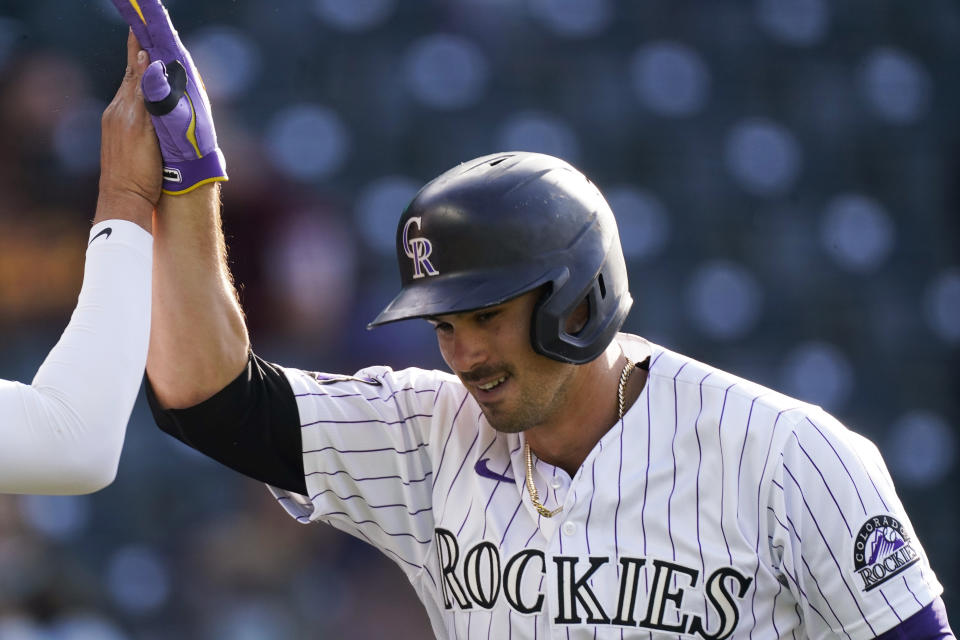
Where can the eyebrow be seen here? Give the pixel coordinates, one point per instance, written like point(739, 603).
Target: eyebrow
point(496, 307)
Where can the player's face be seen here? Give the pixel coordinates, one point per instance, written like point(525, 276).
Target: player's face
point(490, 352)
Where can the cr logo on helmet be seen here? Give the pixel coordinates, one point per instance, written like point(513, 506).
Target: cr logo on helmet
point(418, 250)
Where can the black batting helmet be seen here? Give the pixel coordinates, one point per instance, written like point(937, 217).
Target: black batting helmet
point(499, 226)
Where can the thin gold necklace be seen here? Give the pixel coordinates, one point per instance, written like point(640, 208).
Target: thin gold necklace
point(531, 487)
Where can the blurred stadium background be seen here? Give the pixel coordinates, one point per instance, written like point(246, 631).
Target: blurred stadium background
point(785, 174)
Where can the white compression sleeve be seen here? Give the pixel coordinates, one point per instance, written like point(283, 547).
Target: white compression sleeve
point(63, 434)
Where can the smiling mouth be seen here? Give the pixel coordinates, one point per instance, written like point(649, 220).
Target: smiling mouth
point(493, 384)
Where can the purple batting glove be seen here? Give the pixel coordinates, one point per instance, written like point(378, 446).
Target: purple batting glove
point(176, 99)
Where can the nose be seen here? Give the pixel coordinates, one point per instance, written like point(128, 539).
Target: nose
point(465, 350)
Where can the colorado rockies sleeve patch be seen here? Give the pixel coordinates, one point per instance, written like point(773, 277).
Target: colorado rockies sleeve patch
point(882, 549)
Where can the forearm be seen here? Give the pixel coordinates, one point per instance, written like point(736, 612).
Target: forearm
point(64, 433)
point(198, 342)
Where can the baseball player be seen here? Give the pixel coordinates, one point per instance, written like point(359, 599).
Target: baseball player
point(63, 433)
point(565, 480)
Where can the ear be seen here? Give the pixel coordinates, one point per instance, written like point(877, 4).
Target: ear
point(578, 319)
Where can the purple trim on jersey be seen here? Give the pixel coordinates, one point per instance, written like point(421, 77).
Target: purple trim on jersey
point(763, 472)
point(843, 578)
point(673, 454)
point(843, 464)
point(884, 596)
point(420, 445)
point(827, 485)
point(443, 454)
point(930, 623)
point(402, 534)
point(723, 484)
point(777, 484)
point(374, 420)
point(696, 432)
point(816, 583)
point(393, 477)
point(743, 447)
point(372, 506)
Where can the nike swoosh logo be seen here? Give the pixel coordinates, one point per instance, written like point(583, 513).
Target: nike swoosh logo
point(483, 470)
point(103, 232)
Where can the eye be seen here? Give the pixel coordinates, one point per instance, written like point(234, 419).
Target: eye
point(486, 316)
point(442, 327)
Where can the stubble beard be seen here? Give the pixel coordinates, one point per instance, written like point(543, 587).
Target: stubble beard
point(530, 409)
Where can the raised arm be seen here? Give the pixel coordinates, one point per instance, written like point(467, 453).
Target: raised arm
point(198, 341)
point(63, 434)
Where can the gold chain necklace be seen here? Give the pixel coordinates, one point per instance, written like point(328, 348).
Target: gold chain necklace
point(531, 487)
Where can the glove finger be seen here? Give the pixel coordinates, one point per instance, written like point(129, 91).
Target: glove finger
point(130, 11)
point(159, 25)
point(155, 84)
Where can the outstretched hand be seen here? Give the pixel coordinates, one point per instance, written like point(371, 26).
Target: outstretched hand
point(129, 154)
point(176, 99)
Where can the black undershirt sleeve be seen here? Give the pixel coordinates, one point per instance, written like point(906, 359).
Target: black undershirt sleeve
point(252, 426)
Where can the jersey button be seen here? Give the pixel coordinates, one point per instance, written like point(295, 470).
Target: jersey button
point(556, 483)
point(569, 528)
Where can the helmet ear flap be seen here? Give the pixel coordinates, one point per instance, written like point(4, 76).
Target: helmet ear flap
point(606, 311)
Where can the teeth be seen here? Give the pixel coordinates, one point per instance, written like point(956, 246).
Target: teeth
point(491, 385)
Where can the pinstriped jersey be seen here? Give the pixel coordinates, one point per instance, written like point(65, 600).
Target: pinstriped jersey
point(716, 508)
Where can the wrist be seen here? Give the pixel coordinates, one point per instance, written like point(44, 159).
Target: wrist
point(116, 204)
